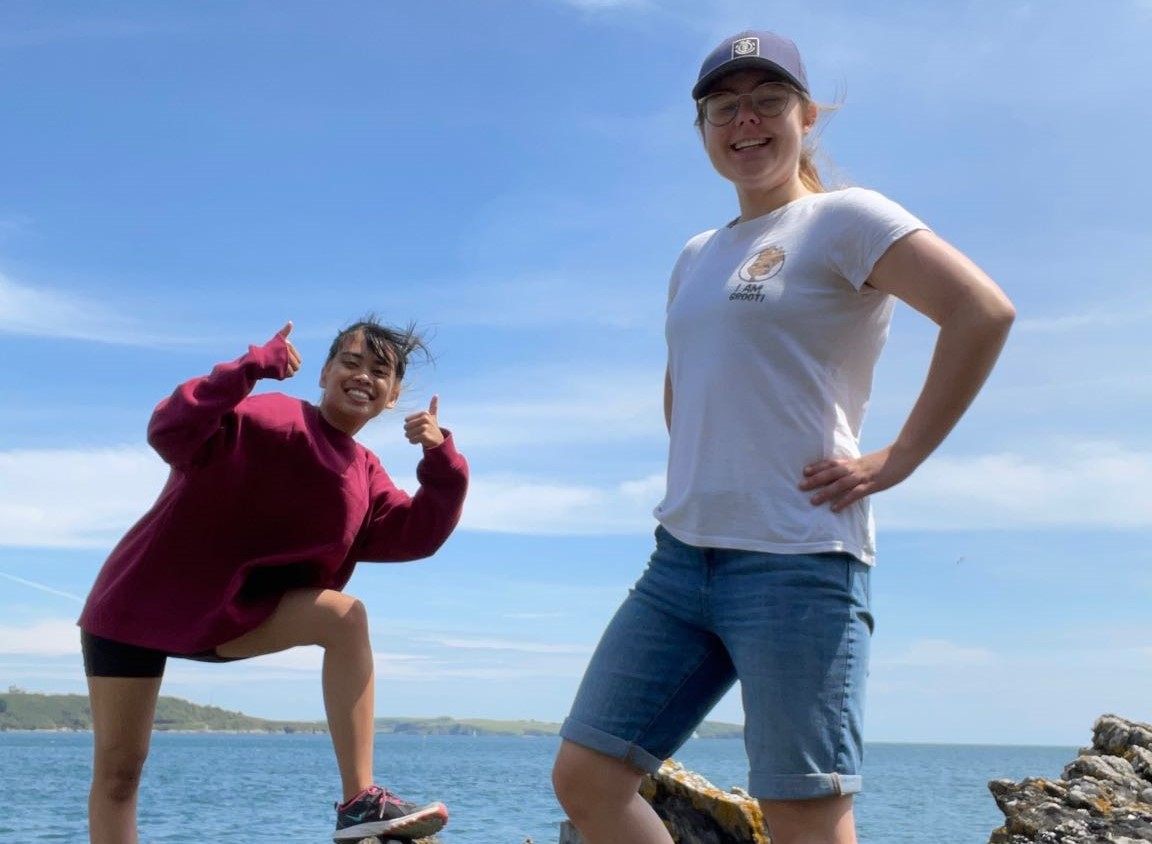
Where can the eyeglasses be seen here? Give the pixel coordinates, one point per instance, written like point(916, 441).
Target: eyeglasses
point(768, 100)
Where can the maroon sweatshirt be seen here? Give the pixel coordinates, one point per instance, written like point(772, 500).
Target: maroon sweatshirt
point(263, 496)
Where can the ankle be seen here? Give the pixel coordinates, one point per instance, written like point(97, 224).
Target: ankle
point(348, 801)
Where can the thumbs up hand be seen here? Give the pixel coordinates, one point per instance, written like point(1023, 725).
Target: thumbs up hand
point(422, 428)
point(292, 364)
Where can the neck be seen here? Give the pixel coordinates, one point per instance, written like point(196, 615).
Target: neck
point(348, 426)
point(756, 202)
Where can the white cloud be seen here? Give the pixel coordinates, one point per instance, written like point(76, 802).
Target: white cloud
point(48, 313)
point(304, 664)
point(937, 653)
point(51, 637)
point(75, 498)
point(1087, 320)
point(309, 660)
point(523, 505)
point(534, 616)
point(522, 646)
point(563, 409)
point(47, 637)
point(1073, 484)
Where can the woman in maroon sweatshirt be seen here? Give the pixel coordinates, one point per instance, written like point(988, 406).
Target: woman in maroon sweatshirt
point(269, 505)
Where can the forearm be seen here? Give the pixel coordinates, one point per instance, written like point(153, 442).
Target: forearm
point(408, 528)
point(185, 420)
point(968, 345)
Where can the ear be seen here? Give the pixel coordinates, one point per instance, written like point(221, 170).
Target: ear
point(395, 397)
point(811, 115)
point(324, 376)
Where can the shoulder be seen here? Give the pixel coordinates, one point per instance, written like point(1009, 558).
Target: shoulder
point(369, 457)
point(693, 248)
point(695, 245)
point(862, 202)
point(860, 214)
point(697, 241)
point(274, 401)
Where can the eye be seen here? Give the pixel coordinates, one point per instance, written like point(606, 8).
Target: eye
point(380, 373)
point(723, 106)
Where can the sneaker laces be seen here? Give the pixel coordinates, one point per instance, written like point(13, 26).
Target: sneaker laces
point(372, 793)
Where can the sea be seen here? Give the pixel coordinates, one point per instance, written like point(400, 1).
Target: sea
point(224, 788)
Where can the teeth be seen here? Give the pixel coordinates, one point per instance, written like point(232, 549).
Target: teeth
point(745, 144)
point(359, 394)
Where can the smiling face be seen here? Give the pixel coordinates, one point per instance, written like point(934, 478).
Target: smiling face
point(759, 155)
point(358, 386)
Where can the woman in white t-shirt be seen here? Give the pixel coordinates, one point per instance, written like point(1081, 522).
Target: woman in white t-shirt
point(765, 538)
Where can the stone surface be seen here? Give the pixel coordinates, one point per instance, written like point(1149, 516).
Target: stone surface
point(694, 810)
point(1103, 797)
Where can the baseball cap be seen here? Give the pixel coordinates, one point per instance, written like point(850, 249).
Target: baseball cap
point(752, 49)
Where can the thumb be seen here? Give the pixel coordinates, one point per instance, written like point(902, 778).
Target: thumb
point(434, 405)
point(285, 331)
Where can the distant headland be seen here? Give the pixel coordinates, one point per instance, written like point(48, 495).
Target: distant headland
point(23, 710)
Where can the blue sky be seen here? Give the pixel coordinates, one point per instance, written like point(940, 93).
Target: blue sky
point(177, 180)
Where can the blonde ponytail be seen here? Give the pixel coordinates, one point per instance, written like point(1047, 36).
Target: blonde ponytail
point(809, 174)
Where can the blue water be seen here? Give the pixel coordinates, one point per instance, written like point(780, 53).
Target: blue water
point(223, 788)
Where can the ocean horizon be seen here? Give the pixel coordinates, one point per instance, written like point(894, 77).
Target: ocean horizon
point(224, 786)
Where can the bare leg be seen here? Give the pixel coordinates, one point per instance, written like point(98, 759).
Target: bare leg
point(825, 821)
point(123, 709)
point(339, 624)
point(601, 796)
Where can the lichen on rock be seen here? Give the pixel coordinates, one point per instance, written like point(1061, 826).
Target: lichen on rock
point(695, 811)
point(1104, 796)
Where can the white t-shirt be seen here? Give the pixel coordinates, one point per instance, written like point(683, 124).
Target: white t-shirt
point(772, 341)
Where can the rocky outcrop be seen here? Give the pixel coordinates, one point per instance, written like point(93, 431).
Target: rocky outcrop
point(1104, 797)
point(695, 811)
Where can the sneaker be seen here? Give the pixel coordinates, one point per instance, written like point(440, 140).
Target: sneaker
point(380, 813)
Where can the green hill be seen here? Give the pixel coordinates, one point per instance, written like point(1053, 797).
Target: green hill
point(21, 710)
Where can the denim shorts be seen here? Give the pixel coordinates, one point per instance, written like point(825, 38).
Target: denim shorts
point(794, 629)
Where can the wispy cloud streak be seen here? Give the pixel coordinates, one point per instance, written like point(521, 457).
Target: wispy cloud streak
point(41, 587)
point(40, 312)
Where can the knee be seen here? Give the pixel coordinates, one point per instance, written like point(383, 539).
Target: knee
point(350, 620)
point(355, 614)
point(117, 776)
point(565, 782)
point(588, 783)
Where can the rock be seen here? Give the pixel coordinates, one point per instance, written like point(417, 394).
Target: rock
point(1104, 797)
point(694, 810)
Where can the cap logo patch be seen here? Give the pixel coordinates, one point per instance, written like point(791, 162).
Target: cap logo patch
point(745, 47)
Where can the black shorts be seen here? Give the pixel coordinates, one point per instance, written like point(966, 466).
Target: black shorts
point(108, 658)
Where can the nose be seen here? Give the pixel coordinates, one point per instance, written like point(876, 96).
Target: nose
point(745, 111)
